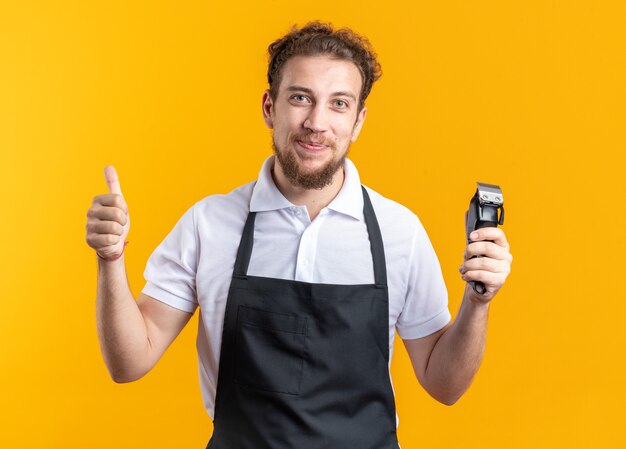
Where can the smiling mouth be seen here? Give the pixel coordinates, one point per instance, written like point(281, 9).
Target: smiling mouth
point(312, 146)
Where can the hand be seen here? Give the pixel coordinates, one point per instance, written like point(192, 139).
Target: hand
point(492, 268)
point(108, 221)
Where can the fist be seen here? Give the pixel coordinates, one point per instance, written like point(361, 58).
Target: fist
point(492, 268)
point(108, 221)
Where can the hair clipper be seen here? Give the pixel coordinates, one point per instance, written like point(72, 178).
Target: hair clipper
point(483, 213)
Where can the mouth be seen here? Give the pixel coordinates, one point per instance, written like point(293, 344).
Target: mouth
point(314, 147)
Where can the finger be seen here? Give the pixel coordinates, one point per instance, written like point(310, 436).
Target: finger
point(108, 214)
point(486, 249)
point(104, 227)
point(99, 241)
point(485, 264)
point(110, 175)
point(111, 200)
point(479, 263)
point(495, 235)
point(491, 280)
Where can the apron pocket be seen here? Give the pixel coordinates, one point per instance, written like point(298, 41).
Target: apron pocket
point(269, 350)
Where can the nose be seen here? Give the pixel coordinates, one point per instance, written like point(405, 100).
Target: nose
point(316, 121)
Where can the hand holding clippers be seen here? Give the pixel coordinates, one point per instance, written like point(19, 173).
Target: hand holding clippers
point(483, 213)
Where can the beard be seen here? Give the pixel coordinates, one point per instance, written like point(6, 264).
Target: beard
point(309, 180)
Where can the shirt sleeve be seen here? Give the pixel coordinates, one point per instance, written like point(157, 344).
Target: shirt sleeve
point(171, 269)
point(425, 308)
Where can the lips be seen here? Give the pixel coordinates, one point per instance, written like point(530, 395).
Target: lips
point(312, 146)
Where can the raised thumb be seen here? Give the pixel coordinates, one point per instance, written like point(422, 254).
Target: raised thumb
point(110, 175)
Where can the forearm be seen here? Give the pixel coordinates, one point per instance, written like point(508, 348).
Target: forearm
point(121, 328)
point(458, 353)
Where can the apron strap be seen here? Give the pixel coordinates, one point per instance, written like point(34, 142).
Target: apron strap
point(245, 248)
point(376, 243)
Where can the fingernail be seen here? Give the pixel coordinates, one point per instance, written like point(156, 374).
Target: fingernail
point(474, 235)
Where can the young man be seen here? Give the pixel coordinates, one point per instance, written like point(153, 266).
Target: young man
point(301, 277)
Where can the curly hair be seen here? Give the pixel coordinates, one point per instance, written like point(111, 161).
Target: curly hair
point(317, 38)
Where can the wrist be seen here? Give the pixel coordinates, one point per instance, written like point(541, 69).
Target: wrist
point(475, 300)
point(115, 258)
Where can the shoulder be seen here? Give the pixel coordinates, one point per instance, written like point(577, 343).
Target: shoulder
point(392, 215)
point(223, 207)
point(216, 215)
point(402, 231)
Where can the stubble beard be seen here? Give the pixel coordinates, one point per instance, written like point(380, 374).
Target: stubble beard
point(317, 179)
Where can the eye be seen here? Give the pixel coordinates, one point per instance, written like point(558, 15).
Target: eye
point(299, 98)
point(342, 104)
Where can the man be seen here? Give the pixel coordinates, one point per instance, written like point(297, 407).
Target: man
point(302, 277)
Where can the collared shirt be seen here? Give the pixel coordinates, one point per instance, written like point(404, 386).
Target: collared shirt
point(193, 266)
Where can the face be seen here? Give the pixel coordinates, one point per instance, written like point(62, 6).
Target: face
point(314, 118)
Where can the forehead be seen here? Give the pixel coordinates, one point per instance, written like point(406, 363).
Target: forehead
point(322, 74)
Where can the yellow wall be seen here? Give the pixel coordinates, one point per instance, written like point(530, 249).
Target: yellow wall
point(527, 94)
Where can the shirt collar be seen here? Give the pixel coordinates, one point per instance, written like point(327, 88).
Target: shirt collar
point(349, 200)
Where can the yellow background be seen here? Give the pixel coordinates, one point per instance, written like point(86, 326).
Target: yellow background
point(529, 95)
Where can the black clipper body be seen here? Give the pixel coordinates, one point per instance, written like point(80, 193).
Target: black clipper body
point(483, 213)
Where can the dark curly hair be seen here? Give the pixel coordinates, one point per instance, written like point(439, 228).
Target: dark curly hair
point(317, 38)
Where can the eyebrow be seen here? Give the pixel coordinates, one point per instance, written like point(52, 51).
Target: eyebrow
point(309, 91)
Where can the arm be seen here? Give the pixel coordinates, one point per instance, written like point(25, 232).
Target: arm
point(133, 335)
point(445, 362)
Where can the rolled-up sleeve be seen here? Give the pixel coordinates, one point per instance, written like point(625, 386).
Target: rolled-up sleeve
point(170, 272)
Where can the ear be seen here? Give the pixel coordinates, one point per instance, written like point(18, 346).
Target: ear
point(268, 109)
point(359, 124)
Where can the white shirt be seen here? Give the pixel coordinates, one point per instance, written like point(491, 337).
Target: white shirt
point(193, 266)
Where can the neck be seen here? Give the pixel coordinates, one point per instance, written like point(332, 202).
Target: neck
point(314, 199)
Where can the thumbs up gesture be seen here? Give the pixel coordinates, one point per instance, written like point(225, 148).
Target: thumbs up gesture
point(108, 221)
